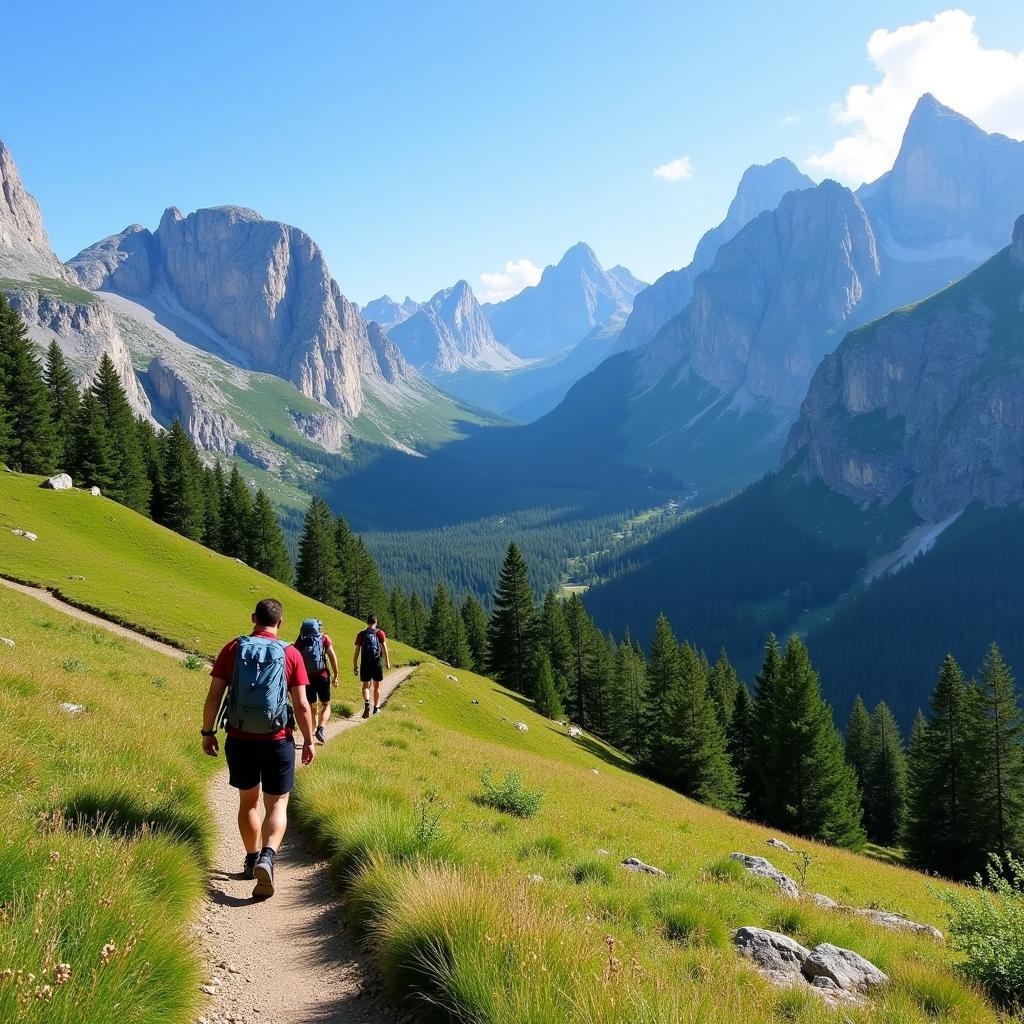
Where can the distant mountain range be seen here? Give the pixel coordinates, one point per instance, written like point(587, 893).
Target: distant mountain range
point(386, 313)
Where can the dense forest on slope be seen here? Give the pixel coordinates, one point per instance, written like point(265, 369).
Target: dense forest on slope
point(959, 597)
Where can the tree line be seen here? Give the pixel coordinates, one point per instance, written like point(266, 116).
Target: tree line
point(48, 425)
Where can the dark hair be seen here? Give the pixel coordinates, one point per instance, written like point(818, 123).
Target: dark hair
point(371, 620)
point(269, 612)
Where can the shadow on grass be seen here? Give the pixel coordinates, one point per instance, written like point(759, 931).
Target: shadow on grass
point(122, 813)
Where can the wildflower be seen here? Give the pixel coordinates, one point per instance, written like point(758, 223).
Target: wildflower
point(44, 992)
point(106, 953)
point(54, 856)
point(62, 974)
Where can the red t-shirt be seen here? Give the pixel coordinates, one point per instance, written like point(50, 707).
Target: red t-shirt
point(294, 675)
point(362, 633)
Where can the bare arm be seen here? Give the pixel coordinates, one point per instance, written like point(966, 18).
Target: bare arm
point(303, 715)
point(387, 656)
point(332, 658)
point(355, 660)
point(214, 696)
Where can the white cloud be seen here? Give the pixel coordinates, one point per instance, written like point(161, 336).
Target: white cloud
point(787, 120)
point(675, 170)
point(943, 56)
point(511, 281)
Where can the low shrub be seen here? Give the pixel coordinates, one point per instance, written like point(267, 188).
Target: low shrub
point(195, 662)
point(986, 924)
point(510, 795)
point(693, 926)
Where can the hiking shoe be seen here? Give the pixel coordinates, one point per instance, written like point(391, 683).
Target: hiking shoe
point(319, 735)
point(366, 710)
point(250, 863)
point(376, 710)
point(263, 872)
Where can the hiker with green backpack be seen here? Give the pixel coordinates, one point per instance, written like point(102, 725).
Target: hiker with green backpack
point(322, 669)
point(252, 680)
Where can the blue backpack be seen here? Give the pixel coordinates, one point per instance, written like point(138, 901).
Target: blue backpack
point(257, 699)
point(310, 644)
point(371, 644)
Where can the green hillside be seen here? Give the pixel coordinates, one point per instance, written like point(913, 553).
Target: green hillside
point(438, 883)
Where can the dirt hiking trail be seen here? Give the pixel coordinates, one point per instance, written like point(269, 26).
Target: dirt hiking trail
point(286, 959)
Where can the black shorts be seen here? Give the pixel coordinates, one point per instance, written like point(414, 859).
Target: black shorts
point(266, 763)
point(371, 671)
point(319, 689)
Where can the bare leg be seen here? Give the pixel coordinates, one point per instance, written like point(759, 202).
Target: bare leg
point(376, 693)
point(366, 693)
point(275, 820)
point(325, 713)
point(249, 818)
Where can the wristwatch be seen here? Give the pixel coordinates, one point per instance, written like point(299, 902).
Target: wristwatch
point(207, 732)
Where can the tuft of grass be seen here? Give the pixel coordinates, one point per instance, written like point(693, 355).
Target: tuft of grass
point(691, 925)
point(594, 872)
point(194, 662)
point(549, 846)
point(509, 795)
point(726, 870)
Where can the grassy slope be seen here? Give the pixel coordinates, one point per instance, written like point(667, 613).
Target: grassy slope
point(436, 901)
point(139, 573)
point(66, 889)
point(453, 890)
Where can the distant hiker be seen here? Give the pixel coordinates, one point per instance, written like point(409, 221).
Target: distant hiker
point(259, 673)
point(322, 668)
point(370, 659)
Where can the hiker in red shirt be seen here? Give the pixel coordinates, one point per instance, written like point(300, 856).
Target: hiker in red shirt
point(372, 645)
point(259, 674)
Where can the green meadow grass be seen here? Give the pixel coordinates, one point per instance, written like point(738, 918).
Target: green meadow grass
point(143, 575)
point(457, 916)
point(104, 836)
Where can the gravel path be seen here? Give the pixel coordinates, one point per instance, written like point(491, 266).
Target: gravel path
point(286, 959)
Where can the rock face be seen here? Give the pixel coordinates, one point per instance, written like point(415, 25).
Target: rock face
point(85, 332)
point(60, 482)
point(953, 186)
point(209, 428)
point(572, 298)
point(845, 968)
point(387, 313)
point(776, 955)
point(261, 286)
point(930, 397)
point(24, 245)
point(449, 332)
point(777, 297)
point(761, 188)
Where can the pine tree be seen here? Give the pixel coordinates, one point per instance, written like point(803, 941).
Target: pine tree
point(152, 462)
point(809, 787)
point(236, 517)
point(697, 759)
point(446, 632)
point(316, 573)
point(554, 635)
point(858, 742)
point(885, 788)
point(545, 696)
point(417, 622)
point(398, 610)
point(766, 699)
point(95, 460)
point(5, 425)
point(475, 620)
point(629, 698)
point(936, 833)
point(663, 680)
point(65, 400)
point(723, 683)
point(213, 490)
point(267, 549)
point(512, 630)
point(741, 735)
point(581, 668)
point(995, 763)
point(348, 579)
point(132, 487)
point(31, 440)
point(364, 594)
point(184, 499)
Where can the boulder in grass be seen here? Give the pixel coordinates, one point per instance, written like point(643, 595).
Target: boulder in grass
point(635, 864)
point(26, 534)
point(6, 641)
point(71, 709)
point(575, 731)
point(452, 679)
point(522, 727)
point(777, 956)
point(94, 491)
point(60, 482)
point(779, 844)
point(765, 869)
point(897, 922)
point(849, 970)
point(824, 901)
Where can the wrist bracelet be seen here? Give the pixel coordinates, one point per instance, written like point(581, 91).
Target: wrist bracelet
point(207, 732)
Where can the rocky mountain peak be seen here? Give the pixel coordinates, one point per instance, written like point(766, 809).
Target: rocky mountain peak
point(1017, 244)
point(24, 245)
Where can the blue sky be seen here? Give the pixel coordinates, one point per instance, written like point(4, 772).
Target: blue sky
point(421, 143)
